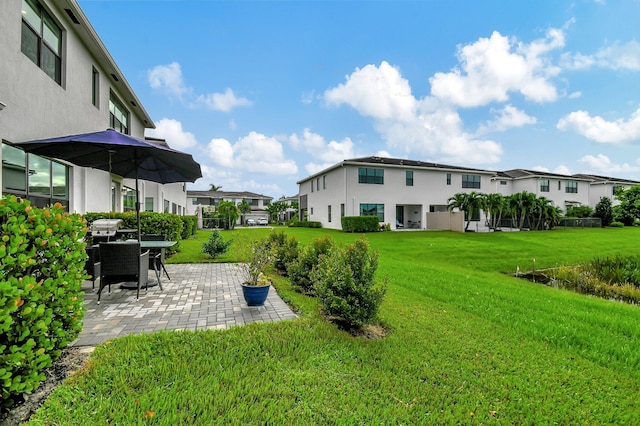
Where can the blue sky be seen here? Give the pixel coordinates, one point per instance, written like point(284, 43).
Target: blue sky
point(265, 93)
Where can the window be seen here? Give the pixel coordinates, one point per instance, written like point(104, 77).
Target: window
point(571, 187)
point(372, 210)
point(95, 88)
point(471, 181)
point(329, 212)
point(559, 185)
point(342, 210)
point(41, 39)
point(118, 116)
point(503, 182)
point(45, 183)
point(544, 185)
point(148, 203)
point(128, 199)
point(318, 184)
point(448, 178)
point(311, 210)
point(324, 182)
point(311, 186)
point(166, 206)
point(375, 176)
point(409, 178)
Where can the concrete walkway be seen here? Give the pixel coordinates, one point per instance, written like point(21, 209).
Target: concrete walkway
point(198, 297)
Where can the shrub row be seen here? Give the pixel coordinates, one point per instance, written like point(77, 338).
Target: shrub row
point(343, 278)
point(304, 224)
point(360, 223)
point(42, 261)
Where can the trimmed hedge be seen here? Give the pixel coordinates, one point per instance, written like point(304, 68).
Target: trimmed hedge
point(189, 226)
point(305, 224)
point(168, 224)
point(360, 223)
point(42, 261)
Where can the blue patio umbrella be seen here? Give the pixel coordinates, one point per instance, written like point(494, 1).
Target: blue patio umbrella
point(120, 154)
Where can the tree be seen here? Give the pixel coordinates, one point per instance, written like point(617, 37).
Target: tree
point(228, 211)
point(521, 206)
point(276, 207)
point(494, 205)
point(470, 203)
point(629, 208)
point(604, 211)
point(244, 207)
point(579, 211)
point(214, 187)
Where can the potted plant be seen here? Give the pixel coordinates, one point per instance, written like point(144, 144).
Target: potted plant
point(256, 284)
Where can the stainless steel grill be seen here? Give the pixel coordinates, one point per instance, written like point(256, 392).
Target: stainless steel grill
point(105, 227)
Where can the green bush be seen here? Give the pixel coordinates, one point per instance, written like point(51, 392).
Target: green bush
point(284, 250)
point(579, 211)
point(301, 268)
point(616, 225)
point(215, 245)
point(604, 211)
point(305, 224)
point(345, 284)
point(189, 226)
point(42, 261)
point(360, 223)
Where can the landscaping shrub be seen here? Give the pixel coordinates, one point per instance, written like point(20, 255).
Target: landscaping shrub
point(42, 261)
point(301, 268)
point(344, 281)
point(284, 250)
point(305, 224)
point(189, 226)
point(360, 223)
point(604, 211)
point(215, 245)
point(579, 211)
point(616, 225)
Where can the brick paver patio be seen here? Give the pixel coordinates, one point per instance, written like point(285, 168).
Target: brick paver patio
point(198, 297)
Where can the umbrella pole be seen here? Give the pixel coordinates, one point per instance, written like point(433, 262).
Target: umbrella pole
point(138, 204)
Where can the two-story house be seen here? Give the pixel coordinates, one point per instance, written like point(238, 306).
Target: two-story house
point(402, 192)
point(57, 78)
point(209, 200)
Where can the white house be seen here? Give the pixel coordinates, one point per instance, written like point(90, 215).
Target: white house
point(57, 78)
point(199, 200)
point(406, 193)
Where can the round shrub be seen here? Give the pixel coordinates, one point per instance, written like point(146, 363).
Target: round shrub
point(345, 284)
point(616, 225)
point(42, 261)
point(215, 245)
point(301, 268)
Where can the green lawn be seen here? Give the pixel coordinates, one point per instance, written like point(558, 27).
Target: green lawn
point(469, 345)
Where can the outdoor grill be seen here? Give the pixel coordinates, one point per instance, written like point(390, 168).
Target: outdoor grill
point(105, 228)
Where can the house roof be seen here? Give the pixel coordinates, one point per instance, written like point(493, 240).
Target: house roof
point(226, 194)
point(524, 173)
point(605, 179)
point(397, 162)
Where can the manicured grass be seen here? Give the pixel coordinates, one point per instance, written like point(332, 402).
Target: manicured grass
point(469, 344)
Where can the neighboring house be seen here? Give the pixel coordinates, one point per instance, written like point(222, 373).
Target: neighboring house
point(208, 200)
point(405, 193)
point(57, 78)
point(602, 186)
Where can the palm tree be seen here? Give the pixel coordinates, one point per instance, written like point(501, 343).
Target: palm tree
point(467, 202)
point(213, 187)
point(494, 205)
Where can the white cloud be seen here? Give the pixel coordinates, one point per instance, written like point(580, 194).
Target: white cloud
point(171, 131)
point(506, 118)
point(425, 127)
point(328, 153)
point(168, 79)
point(575, 95)
point(602, 164)
point(600, 130)
point(378, 92)
point(222, 101)
point(383, 153)
point(493, 67)
point(561, 170)
point(255, 152)
point(617, 56)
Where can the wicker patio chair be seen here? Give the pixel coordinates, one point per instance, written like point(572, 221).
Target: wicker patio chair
point(92, 266)
point(122, 262)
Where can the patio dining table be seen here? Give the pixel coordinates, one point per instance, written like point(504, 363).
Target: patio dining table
point(152, 245)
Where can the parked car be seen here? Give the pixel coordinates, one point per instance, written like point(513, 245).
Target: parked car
point(263, 221)
point(250, 222)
